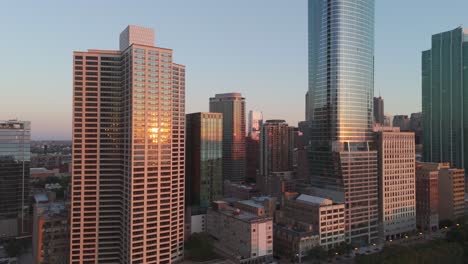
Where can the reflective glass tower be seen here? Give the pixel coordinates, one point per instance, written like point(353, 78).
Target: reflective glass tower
point(15, 137)
point(232, 106)
point(204, 153)
point(445, 98)
point(341, 89)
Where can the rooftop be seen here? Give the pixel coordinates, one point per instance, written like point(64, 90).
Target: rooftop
point(230, 211)
point(314, 200)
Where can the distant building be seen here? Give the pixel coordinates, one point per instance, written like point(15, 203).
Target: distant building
point(444, 98)
point(301, 150)
point(323, 216)
point(276, 151)
point(397, 189)
point(281, 182)
point(246, 237)
point(232, 106)
point(388, 121)
point(52, 161)
point(240, 191)
point(401, 121)
point(427, 196)
point(259, 206)
point(379, 116)
point(15, 137)
point(42, 173)
point(252, 142)
point(255, 122)
point(51, 233)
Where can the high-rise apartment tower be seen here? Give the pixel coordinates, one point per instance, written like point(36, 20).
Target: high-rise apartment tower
point(128, 153)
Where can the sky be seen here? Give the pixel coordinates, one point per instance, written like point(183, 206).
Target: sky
point(256, 47)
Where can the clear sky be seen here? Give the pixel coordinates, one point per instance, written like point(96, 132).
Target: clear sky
point(257, 47)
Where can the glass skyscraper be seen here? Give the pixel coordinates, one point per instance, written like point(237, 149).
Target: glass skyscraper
point(232, 106)
point(340, 102)
point(445, 98)
point(203, 166)
point(15, 156)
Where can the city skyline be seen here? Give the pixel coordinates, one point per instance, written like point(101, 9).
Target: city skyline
point(274, 43)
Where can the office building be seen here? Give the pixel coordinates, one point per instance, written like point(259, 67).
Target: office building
point(252, 142)
point(450, 190)
point(341, 91)
point(252, 159)
point(276, 151)
point(397, 182)
point(232, 106)
point(255, 122)
point(451, 193)
point(204, 178)
point(15, 137)
point(128, 153)
point(51, 232)
point(246, 237)
point(379, 116)
point(402, 122)
point(323, 216)
point(427, 196)
point(293, 242)
point(388, 120)
point(444, 101)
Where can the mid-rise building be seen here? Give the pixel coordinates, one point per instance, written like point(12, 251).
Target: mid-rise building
point(397, 182)
point(451, 193)
point(246, 237)
point(293, 242)
point(232, 106)
point(427, 196)
point(450, 190)
point(325, 218)
point(259, 206)
point(379, 115)
point(444, 100)
point(341, 91)
point(51, 233)
point(15, 137)
point(128, 153)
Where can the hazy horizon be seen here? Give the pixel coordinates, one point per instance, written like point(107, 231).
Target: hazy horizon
point(258, 48)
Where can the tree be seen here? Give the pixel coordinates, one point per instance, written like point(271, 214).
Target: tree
point(317, 254)
point(199, 247)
